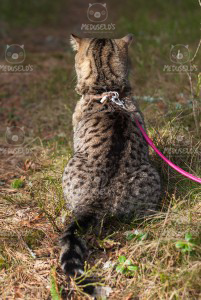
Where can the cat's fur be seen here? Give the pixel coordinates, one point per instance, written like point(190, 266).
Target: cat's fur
point(109, 173)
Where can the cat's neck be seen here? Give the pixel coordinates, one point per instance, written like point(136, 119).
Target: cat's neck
point(123, 89)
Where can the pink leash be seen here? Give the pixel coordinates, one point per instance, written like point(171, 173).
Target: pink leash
point(149, 141)
point(114, 97)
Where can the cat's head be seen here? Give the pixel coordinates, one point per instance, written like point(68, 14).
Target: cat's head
point(97, 12)
point(15, 54)
point(15, 135)
point(179, 54)
point(101, 62)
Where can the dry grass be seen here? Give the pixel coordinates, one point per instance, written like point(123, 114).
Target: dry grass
point(33, 216)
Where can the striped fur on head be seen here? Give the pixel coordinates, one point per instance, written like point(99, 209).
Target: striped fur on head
point(101, 64)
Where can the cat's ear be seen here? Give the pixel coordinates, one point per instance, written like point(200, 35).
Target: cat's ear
point(128, 39)
point(75, 42)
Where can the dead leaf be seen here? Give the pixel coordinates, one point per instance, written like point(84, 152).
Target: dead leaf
point(37, 218)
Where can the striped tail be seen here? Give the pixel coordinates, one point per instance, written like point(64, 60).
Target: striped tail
point(73, 248)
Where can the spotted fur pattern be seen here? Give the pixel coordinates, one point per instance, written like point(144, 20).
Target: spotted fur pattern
point(110, 173)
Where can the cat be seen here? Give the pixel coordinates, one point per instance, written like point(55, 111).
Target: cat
point(110, 173)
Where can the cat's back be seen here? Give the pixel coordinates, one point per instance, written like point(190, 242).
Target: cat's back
point(102, 132)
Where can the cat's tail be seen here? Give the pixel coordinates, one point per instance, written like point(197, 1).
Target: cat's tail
point(74, 248)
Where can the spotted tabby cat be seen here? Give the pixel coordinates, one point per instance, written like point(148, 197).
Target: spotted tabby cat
point(109, 173)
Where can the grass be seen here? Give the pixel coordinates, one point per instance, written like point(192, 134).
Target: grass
point(145, 259)
point(43, 12)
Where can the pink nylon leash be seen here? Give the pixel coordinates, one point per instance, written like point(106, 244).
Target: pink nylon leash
point(149, 141)
point(114, 97)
